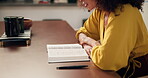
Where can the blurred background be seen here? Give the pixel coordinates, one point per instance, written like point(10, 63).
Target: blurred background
point(42, 10)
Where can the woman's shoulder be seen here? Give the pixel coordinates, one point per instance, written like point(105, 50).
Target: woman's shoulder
point(128, 11)
point(128, 8)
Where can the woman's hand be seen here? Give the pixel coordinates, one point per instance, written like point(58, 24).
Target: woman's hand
point(83, 39)
point(87, 48)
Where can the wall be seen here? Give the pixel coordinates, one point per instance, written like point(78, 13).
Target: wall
point(145, 13)
point(72, 14)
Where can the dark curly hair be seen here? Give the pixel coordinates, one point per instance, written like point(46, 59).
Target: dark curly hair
point(111, 5)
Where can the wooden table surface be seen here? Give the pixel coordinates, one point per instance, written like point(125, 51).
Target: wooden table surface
point(32, 61)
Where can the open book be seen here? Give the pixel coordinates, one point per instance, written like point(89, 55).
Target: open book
point(66, 53)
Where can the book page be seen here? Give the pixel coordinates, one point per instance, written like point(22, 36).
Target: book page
point(66, 52)
point(64, 46)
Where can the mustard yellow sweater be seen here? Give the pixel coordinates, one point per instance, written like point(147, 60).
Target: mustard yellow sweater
point(124, 34)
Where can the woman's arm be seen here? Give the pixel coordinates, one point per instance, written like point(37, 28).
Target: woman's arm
point(91, 26)
point(87, 43)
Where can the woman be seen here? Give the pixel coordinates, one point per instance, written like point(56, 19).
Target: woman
point(115, 36)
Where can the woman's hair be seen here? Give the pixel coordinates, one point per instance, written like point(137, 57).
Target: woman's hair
point(111, 5)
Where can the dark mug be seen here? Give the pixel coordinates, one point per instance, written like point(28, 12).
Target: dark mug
point(21, 24)
point(12, 28)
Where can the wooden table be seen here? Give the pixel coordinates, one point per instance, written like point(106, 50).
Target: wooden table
point(32, 61)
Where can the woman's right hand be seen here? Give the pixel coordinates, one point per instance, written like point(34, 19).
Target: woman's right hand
point(87, 48)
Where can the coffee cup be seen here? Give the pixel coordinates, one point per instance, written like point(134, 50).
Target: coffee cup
point(27, 23)
point(12, 28)
point(21, 23)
